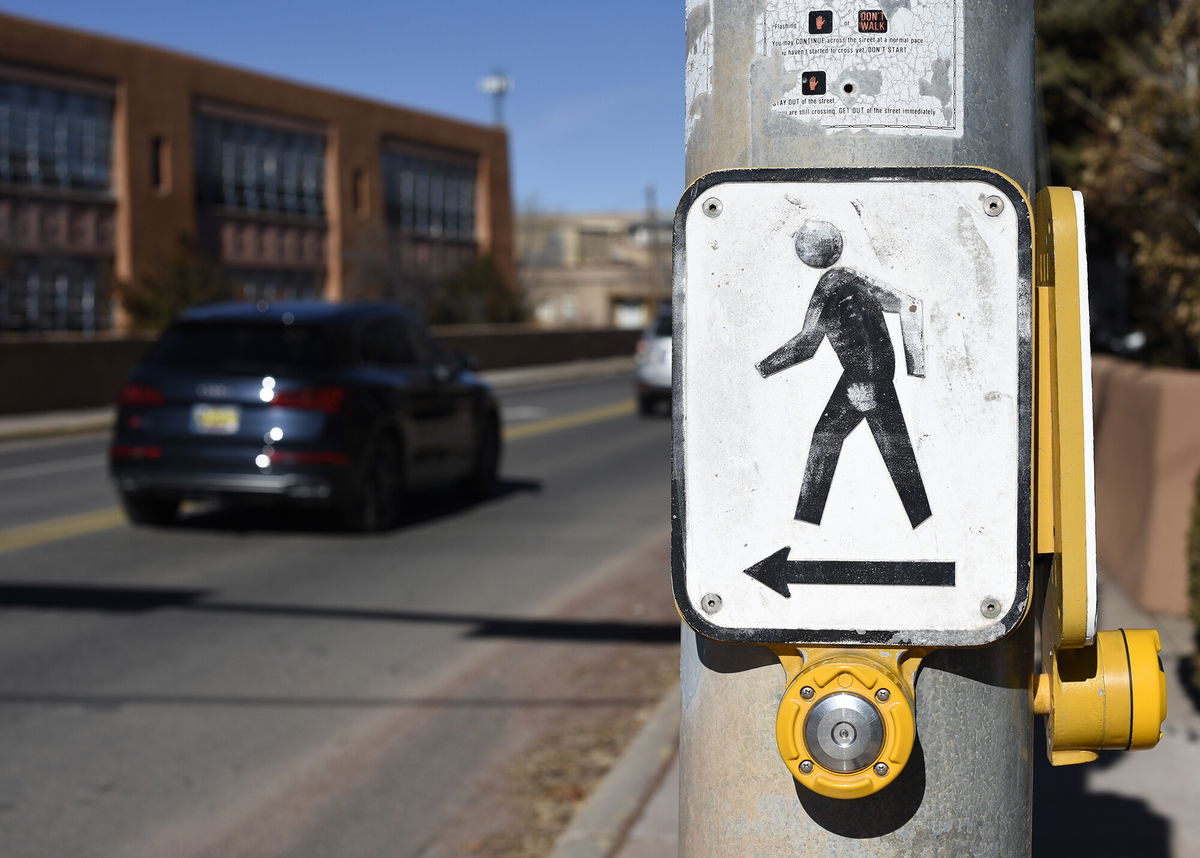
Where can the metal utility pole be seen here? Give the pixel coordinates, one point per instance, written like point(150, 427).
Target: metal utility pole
point(967, 788)
point(497, 85)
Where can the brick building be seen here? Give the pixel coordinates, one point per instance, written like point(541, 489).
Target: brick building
point(117, 158)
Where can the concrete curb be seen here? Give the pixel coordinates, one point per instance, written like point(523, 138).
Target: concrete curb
point(51, 423)
point(601, 824)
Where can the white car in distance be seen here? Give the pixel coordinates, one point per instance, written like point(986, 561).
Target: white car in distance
point(652, 364)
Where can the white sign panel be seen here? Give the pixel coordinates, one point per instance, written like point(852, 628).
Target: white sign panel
point(853, 406)
point(896, 68)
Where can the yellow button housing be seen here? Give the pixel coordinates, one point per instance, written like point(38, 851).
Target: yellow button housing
point(873, 680)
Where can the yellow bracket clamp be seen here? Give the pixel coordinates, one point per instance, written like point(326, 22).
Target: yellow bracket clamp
point(845, 726)
point(1100, 690)
point(1111, 695)
point(1065, 514)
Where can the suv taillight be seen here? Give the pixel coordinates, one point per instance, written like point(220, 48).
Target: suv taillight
point(134, 451)
point(326, 399)
point(135, 393)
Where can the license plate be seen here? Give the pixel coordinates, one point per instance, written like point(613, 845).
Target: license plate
point(215, 419)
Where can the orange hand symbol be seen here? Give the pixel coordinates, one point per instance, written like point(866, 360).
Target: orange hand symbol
point(820, 23)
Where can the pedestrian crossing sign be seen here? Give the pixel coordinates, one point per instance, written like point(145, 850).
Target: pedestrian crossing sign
point(853, 406)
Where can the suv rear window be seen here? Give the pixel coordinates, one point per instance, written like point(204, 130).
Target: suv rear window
point(247, 347)
point(662, 327)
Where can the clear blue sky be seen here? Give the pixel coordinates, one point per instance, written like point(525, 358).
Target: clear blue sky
point(597, 110)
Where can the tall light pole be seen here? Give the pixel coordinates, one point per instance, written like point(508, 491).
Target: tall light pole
point(497, 85)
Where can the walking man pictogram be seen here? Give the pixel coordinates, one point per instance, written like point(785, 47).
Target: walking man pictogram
point(847, 307)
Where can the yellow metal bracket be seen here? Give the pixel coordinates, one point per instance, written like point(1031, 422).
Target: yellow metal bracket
point(846, 724)
point(1097, 690)
point(1064, 414)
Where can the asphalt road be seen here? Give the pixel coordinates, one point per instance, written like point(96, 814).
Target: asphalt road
point(254, 684)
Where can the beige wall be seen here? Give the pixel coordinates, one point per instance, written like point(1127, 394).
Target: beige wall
point(592, 291)
point(155, 93)
point(1147, 462)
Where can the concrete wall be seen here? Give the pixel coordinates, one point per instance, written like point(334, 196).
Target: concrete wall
point(53, 375)
point(1147, 461)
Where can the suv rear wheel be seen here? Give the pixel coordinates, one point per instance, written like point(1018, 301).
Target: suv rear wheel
point(481, 483)
point(377, 504)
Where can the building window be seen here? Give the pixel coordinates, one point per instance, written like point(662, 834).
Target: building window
point(629, 313)
point(275, 284)
point(597, 246)
point(160, 164)
point(54, 138)
point(257, 168)
point(545, 312)
point(430, 193)
point(570, 308)
point(54, 294)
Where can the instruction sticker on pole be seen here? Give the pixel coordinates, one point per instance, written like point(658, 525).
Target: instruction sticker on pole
point(892, 68)
point(852, 406)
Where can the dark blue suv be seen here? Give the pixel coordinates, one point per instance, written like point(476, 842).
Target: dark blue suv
point(346, 406)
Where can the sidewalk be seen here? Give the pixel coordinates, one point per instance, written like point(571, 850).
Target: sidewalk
point(1141, 803)
point(49, 423)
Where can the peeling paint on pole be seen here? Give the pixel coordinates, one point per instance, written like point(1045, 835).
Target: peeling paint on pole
point(699, 68)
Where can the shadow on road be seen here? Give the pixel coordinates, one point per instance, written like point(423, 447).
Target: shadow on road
point(1187, 670)
point(420, 508)
point(70, 597)
point(1069, 819)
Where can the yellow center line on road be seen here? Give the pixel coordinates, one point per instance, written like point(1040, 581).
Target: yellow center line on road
point(43, 532)
point(29, 535)
point(568, 421)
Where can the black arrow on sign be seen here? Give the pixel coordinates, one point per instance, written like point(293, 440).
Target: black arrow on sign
point(777, 572)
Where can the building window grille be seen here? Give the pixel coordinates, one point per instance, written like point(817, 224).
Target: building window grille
point(54, 138)
point(430, 195)
point(259, 169)
point(53, 294)
point(275, 284)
